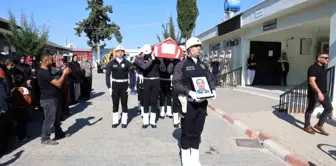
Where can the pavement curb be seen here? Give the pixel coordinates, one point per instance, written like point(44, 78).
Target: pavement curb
point(267, 140)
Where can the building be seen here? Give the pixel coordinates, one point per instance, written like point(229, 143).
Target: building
point(83, 52)
point(301, 28)
point(51, 48)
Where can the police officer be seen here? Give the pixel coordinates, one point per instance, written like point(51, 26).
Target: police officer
point(166, 91)
point(193, 119)
point(150, 67)
point(120, 69)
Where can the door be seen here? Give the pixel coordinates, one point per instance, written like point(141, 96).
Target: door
point(267, 55)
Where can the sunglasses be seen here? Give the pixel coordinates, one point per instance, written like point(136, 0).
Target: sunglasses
point(325, 58)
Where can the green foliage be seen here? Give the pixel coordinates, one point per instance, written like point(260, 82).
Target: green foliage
point(98, 26)
point(169, 31)
point(187, 13)
point(27, 39)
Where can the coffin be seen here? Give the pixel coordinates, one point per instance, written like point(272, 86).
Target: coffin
point(168, 49)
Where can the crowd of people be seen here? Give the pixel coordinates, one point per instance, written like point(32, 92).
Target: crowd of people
point(23, 90)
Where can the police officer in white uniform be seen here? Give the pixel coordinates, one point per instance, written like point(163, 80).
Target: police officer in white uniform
point(194, 115)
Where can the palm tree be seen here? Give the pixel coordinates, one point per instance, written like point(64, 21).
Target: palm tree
point(169, 31)
point(27, 38)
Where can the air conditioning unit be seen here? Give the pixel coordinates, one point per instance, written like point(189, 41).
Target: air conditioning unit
point(324, 47)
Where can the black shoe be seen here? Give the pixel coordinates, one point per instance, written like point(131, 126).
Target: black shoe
point(176, 125)
point(49, 142)
point(114, 125)
point(162, 117)
point(170, 117)
point(153, 126)
point(145, 126)
point(123, 126)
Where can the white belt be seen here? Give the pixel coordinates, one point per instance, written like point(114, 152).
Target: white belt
point(151, 78)
point(119, 80)
point(165, 79)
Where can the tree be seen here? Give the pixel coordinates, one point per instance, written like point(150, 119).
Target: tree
point(98, 26)
point(169, 31)
point(27, 38)
point(187, 13)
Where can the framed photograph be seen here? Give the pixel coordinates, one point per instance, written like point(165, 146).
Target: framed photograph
point(201, 87)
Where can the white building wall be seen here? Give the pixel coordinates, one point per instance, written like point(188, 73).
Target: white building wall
point(267, 8)
point(322, 10)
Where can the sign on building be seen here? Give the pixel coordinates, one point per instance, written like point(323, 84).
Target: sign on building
point(272, 24)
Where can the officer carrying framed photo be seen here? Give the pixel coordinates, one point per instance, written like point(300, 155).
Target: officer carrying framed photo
point(192, 78)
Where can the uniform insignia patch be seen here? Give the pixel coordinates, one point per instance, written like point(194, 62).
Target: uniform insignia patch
point(202, 66)
point(115, 66)
point(188, 68)
point(122, 65)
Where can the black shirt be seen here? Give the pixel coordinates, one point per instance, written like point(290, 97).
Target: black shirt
point(167, 70)
point(320, 73)
point(249, 62)
point(149, 67)
point(215, 66)
point(48, 90)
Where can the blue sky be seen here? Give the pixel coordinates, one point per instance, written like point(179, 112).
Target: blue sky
point(140, 21)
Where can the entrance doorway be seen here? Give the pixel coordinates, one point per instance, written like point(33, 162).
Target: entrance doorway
point(267, 55)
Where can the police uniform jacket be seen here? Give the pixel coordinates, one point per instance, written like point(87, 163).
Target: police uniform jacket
point(120, 71)
point(149, 67)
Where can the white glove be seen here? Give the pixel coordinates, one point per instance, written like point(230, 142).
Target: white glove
point(110, 90)
point(194, 96)
point(141, 79)
point(215, 94)
point(183, 100)
point(171, 80)
point(153, 56)
point(128, 90)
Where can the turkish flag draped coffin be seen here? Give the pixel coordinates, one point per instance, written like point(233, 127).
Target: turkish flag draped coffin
point(168, 49)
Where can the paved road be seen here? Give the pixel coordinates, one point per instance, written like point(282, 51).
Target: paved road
point(94, 142)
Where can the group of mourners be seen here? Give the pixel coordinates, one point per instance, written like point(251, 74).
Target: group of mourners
point(47, 84)
point(164, 88)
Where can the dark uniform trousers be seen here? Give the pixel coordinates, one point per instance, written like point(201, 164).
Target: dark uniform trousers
point(192, 124)
point(166, 93)
point(312, 101)
point(177, 107)
point(140, 93)
point(150, 94)
point(119, 92)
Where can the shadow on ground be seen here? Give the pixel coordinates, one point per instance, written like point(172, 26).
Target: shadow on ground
point(132, 113)
point(12, 160)
point(331, 153)
point(289, 118)
point(80, 107)
point(81, 123)
point(96, 94)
